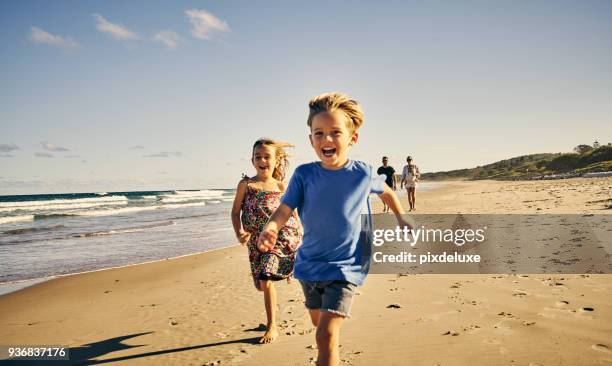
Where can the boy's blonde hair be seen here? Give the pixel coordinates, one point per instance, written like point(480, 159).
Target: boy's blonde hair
point(282, 158)
point(331, 102)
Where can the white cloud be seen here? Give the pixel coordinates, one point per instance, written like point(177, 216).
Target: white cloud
point(170, 38)
point(43, 155)
point(118, 31)
point(8, 147)
point(164, 154)
point(6, 156)
point(205, 25)
point(52, 147)
point(137, 147)
point(38, 35)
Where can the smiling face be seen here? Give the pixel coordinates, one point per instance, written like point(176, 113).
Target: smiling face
point(264, 160)
point(331, 138)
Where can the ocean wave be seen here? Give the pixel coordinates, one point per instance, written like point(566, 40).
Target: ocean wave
point(122, 230)
point(209, 214)
point(62, 201)
point(116, 211)
point(51, 216)
point(28, 230)
point(11, 219)
point(186, 196)
point(83, 235)
point(63, 206)
point(182, 199)
point(97, 212)
point(180, 205)
point(124, 210)
point(204, 193)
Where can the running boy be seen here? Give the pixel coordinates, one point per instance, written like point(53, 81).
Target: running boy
point(330, 195)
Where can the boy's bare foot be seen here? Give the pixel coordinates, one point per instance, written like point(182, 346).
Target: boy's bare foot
point(270, 335)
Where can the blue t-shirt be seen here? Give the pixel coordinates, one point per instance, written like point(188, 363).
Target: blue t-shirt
point(330, 204)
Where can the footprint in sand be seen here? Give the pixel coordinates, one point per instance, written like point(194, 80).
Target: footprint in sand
point(473, 328)
point(436, 317)
point(601, 348)
point(222, 335)
point(561, 310)
point(492, 341)
point(503, 329)
point(553, 313)
point(520, 293)
point(561, 303)
point(585, 312)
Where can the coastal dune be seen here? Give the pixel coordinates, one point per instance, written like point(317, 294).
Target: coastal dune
point(204, 310)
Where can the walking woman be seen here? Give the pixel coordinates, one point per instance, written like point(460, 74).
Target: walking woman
point(410, 177)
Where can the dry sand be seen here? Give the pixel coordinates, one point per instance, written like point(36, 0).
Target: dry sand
point(203, 309)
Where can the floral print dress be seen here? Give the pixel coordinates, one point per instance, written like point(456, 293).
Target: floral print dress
point(277, 264)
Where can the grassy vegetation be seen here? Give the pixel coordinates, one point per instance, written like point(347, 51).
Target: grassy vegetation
point(530, 166)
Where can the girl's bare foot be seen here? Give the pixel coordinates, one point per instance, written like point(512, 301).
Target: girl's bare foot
point(270, 335)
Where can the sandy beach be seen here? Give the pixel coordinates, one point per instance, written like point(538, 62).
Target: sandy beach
point(203, 309)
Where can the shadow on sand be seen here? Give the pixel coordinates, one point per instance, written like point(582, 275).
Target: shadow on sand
point(85, 354)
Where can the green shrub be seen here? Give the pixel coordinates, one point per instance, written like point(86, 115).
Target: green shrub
point(603, 153)
point(564, 162)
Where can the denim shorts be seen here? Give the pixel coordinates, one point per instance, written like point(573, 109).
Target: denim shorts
point(332, 296)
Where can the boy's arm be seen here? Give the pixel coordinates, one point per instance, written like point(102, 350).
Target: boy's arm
point(389, 197)
point(268, 235)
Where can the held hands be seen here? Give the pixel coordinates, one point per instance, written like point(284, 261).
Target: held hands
point(267, 239)
point(243, 237)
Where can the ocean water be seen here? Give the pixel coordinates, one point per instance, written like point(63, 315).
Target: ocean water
point(42, 236)
point(55, 234)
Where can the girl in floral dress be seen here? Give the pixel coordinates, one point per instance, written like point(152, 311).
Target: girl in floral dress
point(256, 199)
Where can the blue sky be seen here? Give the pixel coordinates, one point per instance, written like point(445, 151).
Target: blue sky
point(138, 95)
